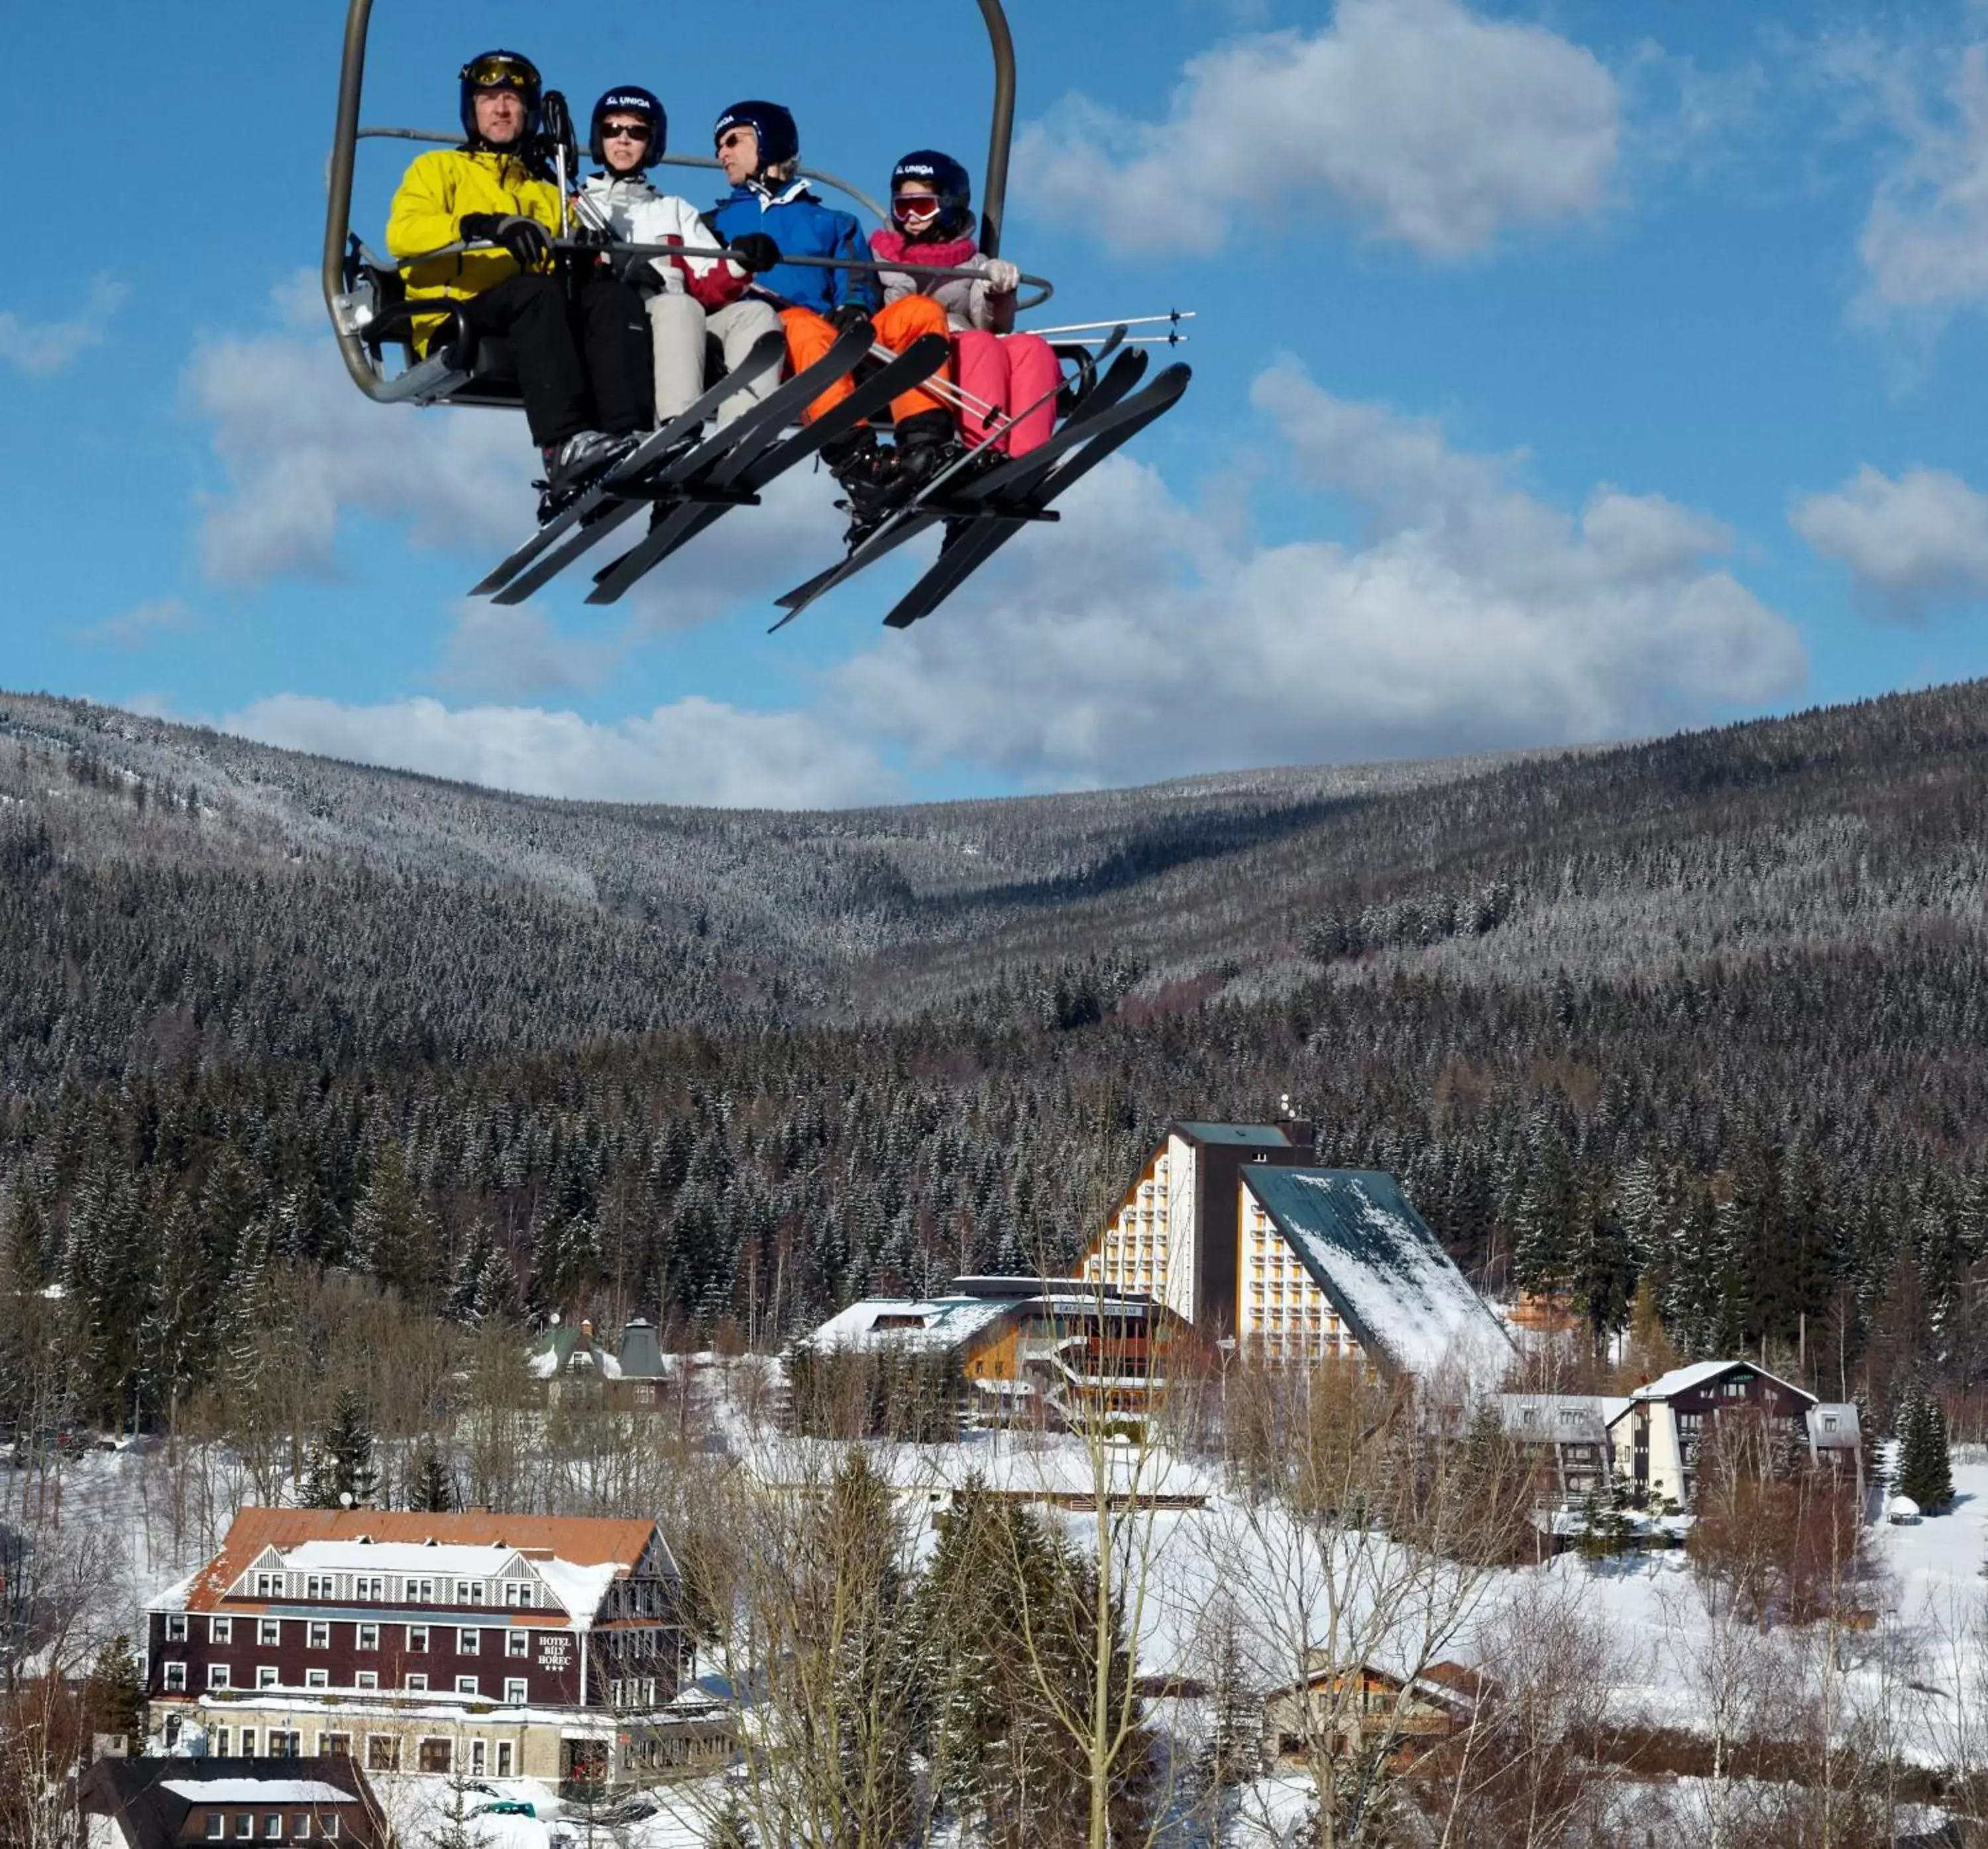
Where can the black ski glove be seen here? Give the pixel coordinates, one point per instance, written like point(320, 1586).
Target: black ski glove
point(755, 253)
point(846, 315)
point(528, 241)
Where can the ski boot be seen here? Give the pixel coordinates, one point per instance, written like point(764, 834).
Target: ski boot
point(867, 474)
point(570, 465)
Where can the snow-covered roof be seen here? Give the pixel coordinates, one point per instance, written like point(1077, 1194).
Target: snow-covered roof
point(1574, 1417)
point(935, 1323)
point(1250, 1136)
point(1681, 1380)
point(398, 1557)
point(257, 1791)
point(1385, 1273)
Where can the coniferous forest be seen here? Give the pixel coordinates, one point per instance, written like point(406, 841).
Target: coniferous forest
point(1694, 1030)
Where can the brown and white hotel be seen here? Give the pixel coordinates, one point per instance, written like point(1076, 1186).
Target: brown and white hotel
point(491, 1645)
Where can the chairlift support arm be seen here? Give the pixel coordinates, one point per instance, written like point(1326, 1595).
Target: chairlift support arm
point(347, 134)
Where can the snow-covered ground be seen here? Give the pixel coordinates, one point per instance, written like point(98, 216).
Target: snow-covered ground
point(1924, 1668)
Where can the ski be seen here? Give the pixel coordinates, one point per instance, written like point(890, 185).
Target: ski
point(692, 475)
point(747, 475)
point(766, 354)
point(948, 487)
point(996, 521)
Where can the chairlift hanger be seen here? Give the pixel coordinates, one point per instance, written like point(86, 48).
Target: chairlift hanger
point(348, 134)
point(982, 511)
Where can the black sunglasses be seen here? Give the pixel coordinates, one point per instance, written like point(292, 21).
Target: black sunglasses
point(624, 131)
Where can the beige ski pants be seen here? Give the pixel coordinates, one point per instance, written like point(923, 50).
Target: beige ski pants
point(678, 325)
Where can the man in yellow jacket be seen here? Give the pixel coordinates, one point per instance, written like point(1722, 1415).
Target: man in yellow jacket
point(581, 354)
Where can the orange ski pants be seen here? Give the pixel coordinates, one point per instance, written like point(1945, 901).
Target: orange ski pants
point(898, 324)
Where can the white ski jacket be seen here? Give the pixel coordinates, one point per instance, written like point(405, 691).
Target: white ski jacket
point(632, 211)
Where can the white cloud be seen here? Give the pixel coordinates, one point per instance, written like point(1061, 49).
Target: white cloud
point(1474, 616)
point(40, 348)
point(1925, 240)
point(140, 627)
point(501, 652)
point(1909, 544)
point(1425, 123)
point(694, 750)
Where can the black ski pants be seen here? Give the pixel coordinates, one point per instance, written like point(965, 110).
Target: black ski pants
point(582, 352)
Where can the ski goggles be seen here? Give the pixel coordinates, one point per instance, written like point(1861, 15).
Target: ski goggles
point(916, 206)
point(501, 73)
point(625, 131)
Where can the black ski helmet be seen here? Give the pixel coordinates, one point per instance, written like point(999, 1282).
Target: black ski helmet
point(499, 70)
point(630, 99)
point(780, 139)
point(946, 177)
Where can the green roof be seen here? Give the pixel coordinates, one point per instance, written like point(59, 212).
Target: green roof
point(1254, 1136)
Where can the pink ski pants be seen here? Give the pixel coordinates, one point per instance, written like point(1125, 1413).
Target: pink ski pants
point(1017, 374)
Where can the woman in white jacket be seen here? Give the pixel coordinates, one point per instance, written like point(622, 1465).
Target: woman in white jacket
point(688, 297)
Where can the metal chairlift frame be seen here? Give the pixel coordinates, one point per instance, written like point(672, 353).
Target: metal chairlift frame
point(434, 380)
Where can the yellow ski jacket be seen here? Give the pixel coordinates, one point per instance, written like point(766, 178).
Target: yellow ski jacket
point(438, 190)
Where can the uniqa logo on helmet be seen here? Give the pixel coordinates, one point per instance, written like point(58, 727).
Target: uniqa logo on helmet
point(778, 138)
point(499, 70)
point(947, 178)
point(630, 100)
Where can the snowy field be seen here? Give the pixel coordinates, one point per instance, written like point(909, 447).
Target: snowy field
point(1203, 1557)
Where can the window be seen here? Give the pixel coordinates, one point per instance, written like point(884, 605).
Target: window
point(518, 1643)
point(417, 1639)
point(268, 1586)
point(319, 1637)
point(300, 1827)
point(317, 1678)
point(217, 1676)
point(503, 1759)
point(247, 1750)
point(437, 1755)
point(468, 1643)
point(244, 1826)
point(466, 1685)
point(285, 1745)
point(320, 1585)
point(221, 1631)
point(176, 1678)
point(421, 1589)
point(272, 1826)
point(517, 1592)
point(478, 1754)
point(382, 1752)
point(217, 1825)
point(269, 1631)
point(417, 1682)
point(176, 1627)
point(369, 1587)
point(368, 1637)
point(1829, 1422)
point(365, 1678)
point(334, 1745)
point(265, 1676)
point(329, 1824)
point(218, 1738)
point(515, 1691)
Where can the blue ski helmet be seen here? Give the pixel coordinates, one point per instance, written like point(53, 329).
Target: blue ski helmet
point(498, 70)
point(946, 177)
point(779, 140)
point(630, 99)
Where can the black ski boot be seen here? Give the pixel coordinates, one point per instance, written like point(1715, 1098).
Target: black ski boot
point(571, 464)
point(867, 474)
point(926, 444)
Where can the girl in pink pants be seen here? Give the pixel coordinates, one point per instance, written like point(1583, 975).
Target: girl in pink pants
point(1017, 375)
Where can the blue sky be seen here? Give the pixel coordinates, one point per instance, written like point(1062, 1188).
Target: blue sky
point(1563, 371)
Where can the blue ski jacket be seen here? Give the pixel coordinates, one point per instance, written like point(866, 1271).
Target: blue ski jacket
point(798, 221)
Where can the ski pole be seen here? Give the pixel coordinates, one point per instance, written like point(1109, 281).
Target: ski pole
point(1176, 316)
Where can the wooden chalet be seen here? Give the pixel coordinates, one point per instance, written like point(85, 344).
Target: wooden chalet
point(1348, 1709)
point(576, 1369)
point(1658, 1433)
